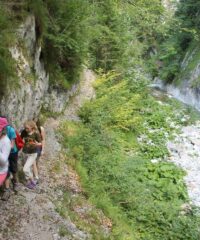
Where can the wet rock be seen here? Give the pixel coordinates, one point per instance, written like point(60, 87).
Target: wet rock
point(185, 153)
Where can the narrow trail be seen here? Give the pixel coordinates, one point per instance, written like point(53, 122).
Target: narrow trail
point(31, 214)
point(86, 92)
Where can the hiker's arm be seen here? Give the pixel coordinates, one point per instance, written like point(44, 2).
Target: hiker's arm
point(13, 136)
point(12, 143)
point(38, 139)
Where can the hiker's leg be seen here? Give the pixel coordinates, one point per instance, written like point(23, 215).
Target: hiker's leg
point(35, 170)
point(28, 165)
point(7, 182)
point(7, 192)
point(28, 170)
point(39, 153)
point(13, 170)
point(2, 178)
point(37, 162)
point(14, 166)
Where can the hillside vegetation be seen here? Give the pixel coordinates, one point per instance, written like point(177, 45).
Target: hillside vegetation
point(119, 150)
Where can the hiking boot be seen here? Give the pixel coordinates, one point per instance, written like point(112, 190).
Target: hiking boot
point(6, 194)
point(16, 187)
point(37, 181)
point(31, 185)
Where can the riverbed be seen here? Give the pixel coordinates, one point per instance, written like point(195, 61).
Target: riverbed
point(185, 148)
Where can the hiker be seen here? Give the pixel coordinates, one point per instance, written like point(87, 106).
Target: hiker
point(12, 159)
point(5, 148)
point(32, 140)
point(40, 149)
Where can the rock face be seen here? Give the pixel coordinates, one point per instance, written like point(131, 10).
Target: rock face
point(25, 99)
point(184, 93)
point(56, 100)
point(187, 86)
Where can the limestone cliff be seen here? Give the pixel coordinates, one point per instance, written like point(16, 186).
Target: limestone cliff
point(33, 92)
point(186, 87)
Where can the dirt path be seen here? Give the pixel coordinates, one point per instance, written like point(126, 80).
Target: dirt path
point(31, 214)
point(86, 92)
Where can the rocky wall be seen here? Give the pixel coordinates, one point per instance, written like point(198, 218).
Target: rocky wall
point(25, 100)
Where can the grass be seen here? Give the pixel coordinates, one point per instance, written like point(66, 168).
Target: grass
point(192, 60)
point(85, 216)
point(63, 231)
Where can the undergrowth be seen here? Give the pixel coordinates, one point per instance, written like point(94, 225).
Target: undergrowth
point(119, 151)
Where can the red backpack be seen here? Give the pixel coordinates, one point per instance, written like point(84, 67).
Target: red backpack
point(19, 141)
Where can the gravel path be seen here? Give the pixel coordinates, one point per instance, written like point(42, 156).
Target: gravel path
point(31, 214)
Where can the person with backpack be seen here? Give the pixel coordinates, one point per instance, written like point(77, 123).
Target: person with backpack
point(5, 148)
point(32, 141)
point(12, 159)
point(40, 149)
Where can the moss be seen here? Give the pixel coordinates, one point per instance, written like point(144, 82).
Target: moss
point(196, 82)
point(63, 231)
point(8, 23)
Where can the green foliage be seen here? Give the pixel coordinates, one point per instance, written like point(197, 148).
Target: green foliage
point(125, 30)
point(105, 34)
point(112, 151)
point(147, 16)
point(38, 8)
point(63, 231)
point(111, 37)
point(66, 39)
point(183, 31)
point(189, 14)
